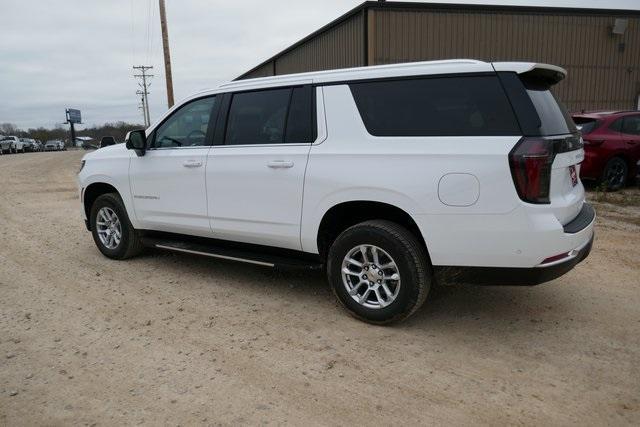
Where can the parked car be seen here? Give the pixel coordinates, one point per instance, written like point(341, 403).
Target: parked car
point(11, 144)
point(29, 144)
point(6, 144)
point(54, 145)
point(107, 141)
point(611, 145)
point(38, 145)
point(393, 178)
point(89, 146)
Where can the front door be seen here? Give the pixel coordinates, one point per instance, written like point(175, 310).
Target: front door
point(255, 179)
point(168, 182)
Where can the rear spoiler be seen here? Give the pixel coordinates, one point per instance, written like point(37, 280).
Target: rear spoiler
point(550, 74)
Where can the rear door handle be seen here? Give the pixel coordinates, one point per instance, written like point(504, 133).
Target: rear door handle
point(280, 164)
point(192, 164)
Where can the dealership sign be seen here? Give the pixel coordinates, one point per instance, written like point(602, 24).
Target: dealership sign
point(73, 116)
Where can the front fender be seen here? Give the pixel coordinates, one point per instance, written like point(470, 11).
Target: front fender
point(118, 181)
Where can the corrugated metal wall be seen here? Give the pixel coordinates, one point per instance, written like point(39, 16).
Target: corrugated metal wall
point(602, 74)
point(604, 69)
point(264, 70)
point(340, 47)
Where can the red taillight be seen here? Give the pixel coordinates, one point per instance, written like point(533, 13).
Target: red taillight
point(530, 162)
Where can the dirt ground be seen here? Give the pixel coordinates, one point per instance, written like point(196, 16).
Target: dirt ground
point(180, 340)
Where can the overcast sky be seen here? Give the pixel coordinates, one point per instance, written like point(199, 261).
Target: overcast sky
point(79, 53)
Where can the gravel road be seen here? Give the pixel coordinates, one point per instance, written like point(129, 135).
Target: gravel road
point(174, 339)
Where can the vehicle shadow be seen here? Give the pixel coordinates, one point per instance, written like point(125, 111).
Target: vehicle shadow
point(454, 307)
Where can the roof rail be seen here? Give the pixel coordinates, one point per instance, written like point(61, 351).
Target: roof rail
point(312, 74)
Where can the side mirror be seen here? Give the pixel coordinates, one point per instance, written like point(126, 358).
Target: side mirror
point(136, 140)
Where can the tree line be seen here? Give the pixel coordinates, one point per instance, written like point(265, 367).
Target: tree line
point(116, 129)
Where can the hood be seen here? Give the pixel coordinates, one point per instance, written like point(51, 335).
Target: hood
point(112, 151)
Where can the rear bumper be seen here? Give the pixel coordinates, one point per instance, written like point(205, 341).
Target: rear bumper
point(499, 276)
point(574, 245)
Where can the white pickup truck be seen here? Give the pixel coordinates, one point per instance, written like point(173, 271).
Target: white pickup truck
point(11, 144)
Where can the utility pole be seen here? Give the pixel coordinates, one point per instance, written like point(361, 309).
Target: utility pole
point(143, 108)
point(167, 56)
point(145, 92)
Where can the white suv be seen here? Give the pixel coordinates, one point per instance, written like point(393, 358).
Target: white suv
point(393, 178)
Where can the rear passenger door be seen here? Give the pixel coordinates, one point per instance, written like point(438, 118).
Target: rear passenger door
point(255, 171)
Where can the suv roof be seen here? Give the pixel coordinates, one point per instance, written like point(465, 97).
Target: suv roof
point(397, 70)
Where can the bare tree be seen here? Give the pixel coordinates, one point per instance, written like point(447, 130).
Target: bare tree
point(9, 129)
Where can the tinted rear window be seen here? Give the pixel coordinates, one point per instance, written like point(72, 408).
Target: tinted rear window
point(554, 118)
point(258, 117)
point(448, 106)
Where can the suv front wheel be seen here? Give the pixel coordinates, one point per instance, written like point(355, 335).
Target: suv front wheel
point(112, 232)
point(379, 271)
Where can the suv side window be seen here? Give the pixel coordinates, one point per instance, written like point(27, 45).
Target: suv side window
point(631, 125)
point(274, 116)
point(436, 106)
point(257, 117)
point(301, 123)
point(187, 127)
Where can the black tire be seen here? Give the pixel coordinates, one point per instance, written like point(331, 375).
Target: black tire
point(615, 174)
point(130, 244)
point(409, 255)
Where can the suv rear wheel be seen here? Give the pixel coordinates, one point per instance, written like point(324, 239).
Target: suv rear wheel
point(112, 232)
point(379, 271)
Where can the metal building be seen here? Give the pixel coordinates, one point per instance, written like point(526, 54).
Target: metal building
point(600, 48)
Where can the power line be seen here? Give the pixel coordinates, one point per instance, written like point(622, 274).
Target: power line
point(145, 90)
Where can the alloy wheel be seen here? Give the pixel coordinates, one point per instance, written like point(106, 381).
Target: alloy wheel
point(615, 174)
point(109, 228)
point(370, 276)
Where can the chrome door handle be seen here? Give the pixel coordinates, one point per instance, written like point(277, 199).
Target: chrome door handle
point(280, 164)
point(192, 164)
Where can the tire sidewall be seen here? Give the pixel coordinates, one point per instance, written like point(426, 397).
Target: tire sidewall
point(409, 276)
point(112, 201)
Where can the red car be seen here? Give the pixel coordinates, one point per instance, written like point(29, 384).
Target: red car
point(611, 146)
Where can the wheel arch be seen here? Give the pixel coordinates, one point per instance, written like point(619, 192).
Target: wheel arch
point(93, 191)
point(346, 214)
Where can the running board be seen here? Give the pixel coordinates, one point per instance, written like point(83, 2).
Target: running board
point(248, 255)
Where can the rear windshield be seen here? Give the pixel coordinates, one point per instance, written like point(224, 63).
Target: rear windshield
point(442, 106)
point(586, 125)
point(554, 118)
